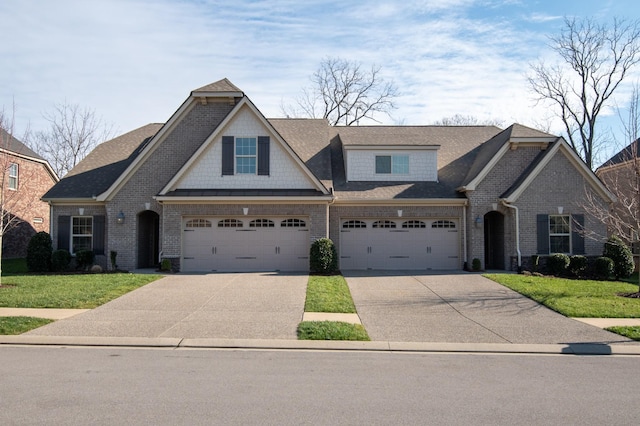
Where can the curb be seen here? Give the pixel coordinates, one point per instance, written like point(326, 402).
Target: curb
point(380, 346)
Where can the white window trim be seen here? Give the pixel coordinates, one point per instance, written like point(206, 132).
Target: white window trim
point(393, 156)
point(563, 234)
point(236, 156)
point(13, 187)
point(71, 234)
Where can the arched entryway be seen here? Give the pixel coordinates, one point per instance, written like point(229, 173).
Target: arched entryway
point(148, 236)
point(494, 240)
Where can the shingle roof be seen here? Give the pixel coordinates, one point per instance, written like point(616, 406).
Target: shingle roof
point(102, 167)
point(223, 85)
point(625, 154)
point(10, 143)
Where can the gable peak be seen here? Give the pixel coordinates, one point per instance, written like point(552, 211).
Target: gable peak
point(221, 86)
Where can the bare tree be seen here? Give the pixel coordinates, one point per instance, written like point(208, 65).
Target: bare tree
point(344, 93)
point(467, 120)
point(74, 131)
point(594, 60)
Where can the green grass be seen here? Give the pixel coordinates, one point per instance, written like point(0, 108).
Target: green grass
point(14, 266)
point(576, 298)
point(75, 291)
point(630, 332)
point(19, 325)
point(329, 294)
point(331, 330)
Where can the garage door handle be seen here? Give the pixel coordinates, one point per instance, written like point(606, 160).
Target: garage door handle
point(214, 250)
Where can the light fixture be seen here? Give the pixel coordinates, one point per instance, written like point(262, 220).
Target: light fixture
point(245, 211)
point(560, 209)
point(494, 206)
point(120, 218)
point(478, 220)
point(147, 206)
point(81, 211)
point(399, 213)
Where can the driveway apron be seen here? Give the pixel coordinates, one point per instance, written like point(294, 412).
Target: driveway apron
point(459, 308)
point(266, 305)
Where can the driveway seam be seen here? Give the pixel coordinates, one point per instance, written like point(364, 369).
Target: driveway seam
point(459, 312)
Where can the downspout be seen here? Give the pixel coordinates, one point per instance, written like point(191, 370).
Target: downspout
point(466, 238)
point(506, 204)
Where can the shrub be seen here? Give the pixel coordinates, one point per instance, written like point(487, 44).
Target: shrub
point(39, 253)
point(558, 263)
point(475, 264)
point(60, 260)
point(113, 255)
point(603, 267)
point(535, 262)
point(85, 258)
point(616, 250)
point(577, 264)
point(323, 258)
point(165, 265)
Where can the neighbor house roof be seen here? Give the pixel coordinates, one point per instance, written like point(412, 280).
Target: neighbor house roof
point(10, 143)
point(627, 153)
point(98, 170)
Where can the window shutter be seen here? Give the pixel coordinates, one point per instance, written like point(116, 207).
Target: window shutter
point(98, 234)
point(542, 221)
point(64, 232)
point(227, 155)
point(577, 237)
point(263, 155)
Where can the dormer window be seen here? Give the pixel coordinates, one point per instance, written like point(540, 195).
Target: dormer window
point(246, 155)
point(392, 164)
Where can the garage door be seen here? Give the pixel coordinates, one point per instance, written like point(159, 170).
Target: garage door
point(245, 244)
point(399, 244)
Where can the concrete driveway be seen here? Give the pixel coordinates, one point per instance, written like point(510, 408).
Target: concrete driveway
point(458, 307)
point(266, 305)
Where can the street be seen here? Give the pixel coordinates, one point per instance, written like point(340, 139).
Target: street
point(51, 385)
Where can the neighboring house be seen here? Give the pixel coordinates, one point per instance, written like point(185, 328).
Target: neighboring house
point(221, 188)
point(27, 176)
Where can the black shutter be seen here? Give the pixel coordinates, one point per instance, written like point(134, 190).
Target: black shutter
point(542, 222)
point(64, 232)
point(227, 155)
point(577, 235)
point(263, 155)
point(98, 234)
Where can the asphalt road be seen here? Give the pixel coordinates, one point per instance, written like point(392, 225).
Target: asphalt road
point(49, 385)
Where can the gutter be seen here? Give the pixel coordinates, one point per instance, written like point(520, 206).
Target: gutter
point(506, 204)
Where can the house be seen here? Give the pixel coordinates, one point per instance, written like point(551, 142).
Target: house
point(219, 187)
point(26, 178)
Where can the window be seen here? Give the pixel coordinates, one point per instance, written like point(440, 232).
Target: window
point(392, 164)
point(198, 223)
point(13, 176)
point(354, 224)
point(261, 223)
point(384, 224)
point(81, 233)
point(560, 234)
point(246, 155)
point(414, 224)
point(293, 223)
point(230, 223)
point(443, 224)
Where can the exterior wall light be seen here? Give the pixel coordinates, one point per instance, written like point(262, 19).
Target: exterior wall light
point(399, 213)
point(560, 209)
point(478, 220)
point(81, 211)
point(245, 211)
point(120, 218)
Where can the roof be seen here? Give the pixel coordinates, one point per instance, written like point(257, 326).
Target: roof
point(98, 170)
point(624, 155)
point(10, 143)
point(219, 86)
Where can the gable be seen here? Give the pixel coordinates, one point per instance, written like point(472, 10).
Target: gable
point(205, 169)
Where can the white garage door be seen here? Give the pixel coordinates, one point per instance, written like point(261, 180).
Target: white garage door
point(245, 244)
point(399, 244)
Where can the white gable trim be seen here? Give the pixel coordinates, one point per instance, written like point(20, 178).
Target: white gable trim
point(217, 132)
point(471, 186)
point(186, 106)
point(562, 146)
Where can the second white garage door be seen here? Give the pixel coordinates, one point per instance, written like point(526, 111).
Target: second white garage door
point(399, 244)
point(245, 244)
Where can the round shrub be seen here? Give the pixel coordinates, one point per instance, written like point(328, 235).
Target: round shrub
point(603, 267)
point(616, 250)
point(558, 263)
point(323, 258)
point(577, 264)
point(39, 253)
point(476, 265)
point(60, 260)
point(85, 258)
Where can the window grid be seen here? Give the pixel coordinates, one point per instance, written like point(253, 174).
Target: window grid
point(262, 223)
point(350, 224)
point(443, 224)
point(82, 233)
point(198, 223)
point(293, 223)
point(560, 234)
point(230, 223)
point(384, 224)
point(13, 176)
point(246, 155)
point(414, 224)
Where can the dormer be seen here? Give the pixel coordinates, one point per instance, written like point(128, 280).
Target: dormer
point(404, 163)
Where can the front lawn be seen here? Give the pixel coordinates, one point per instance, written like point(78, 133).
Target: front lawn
point(630, 332)
point(19, 325)
point(576, 298)
point(331, 330)
point(75, 291)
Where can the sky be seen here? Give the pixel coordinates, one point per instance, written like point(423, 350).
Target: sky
point(135, 61)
